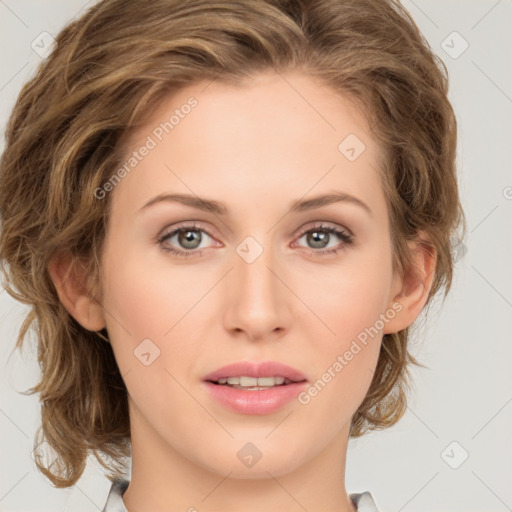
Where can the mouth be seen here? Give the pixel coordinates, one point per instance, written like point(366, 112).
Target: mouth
point(253, 383)
point(255, 388)
point(247, 375)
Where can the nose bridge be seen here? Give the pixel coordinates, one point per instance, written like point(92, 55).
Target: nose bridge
point(257, 283)
point(257, 303)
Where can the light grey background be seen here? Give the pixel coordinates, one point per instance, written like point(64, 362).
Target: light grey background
point(464, 397)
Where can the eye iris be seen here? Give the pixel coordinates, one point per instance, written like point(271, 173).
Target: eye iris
point(187, 237)
point(319, 239)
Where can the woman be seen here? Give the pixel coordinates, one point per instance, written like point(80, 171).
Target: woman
point(227, 216)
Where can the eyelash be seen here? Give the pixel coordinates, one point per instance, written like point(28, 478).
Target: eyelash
point(346, 237)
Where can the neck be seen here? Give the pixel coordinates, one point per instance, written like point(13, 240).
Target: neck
point(162, 479)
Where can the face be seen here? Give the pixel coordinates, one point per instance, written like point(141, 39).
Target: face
point(263, 276)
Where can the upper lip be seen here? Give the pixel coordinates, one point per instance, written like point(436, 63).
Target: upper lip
point(252, 369)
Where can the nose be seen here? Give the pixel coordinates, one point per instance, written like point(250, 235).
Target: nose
point(258, 300)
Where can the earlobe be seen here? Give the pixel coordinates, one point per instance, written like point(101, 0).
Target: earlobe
point(414, 287)
point(69, 281)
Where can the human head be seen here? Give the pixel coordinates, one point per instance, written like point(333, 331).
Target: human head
point(109, 71)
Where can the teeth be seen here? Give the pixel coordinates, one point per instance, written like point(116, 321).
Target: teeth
point(263, 381)
point(246, 382)
point(251, 382)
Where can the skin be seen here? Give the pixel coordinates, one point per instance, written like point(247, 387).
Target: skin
point(256, 148)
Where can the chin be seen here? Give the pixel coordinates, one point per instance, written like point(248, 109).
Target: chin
point(269, 458)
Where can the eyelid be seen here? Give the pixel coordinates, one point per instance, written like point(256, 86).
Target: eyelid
point(192, 225)
point(197, 225)
point(321, 224)
point(344, 234)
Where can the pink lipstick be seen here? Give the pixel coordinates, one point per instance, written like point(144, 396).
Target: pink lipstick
point(255, 388)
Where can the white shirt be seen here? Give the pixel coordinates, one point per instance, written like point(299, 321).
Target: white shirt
point(363, 501)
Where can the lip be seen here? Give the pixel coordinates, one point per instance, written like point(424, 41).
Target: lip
point(259, 402)
point(263, 369)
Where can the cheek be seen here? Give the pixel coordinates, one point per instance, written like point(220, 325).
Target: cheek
point(155, 302)
point(150, 298)
point(345, 355)
point(346, 300)
point(150, 316)
point(347, 340)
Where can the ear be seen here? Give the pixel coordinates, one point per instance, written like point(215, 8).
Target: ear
point(410, 292)
point(71, 284)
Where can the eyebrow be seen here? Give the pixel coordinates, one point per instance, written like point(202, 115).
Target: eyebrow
point(300, 205)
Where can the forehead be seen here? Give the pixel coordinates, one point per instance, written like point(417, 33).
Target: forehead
point(271, 137)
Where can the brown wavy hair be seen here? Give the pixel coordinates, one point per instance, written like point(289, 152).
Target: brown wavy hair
point(109, 69)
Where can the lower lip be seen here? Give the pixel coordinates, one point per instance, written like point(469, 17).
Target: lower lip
point(262, 401)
